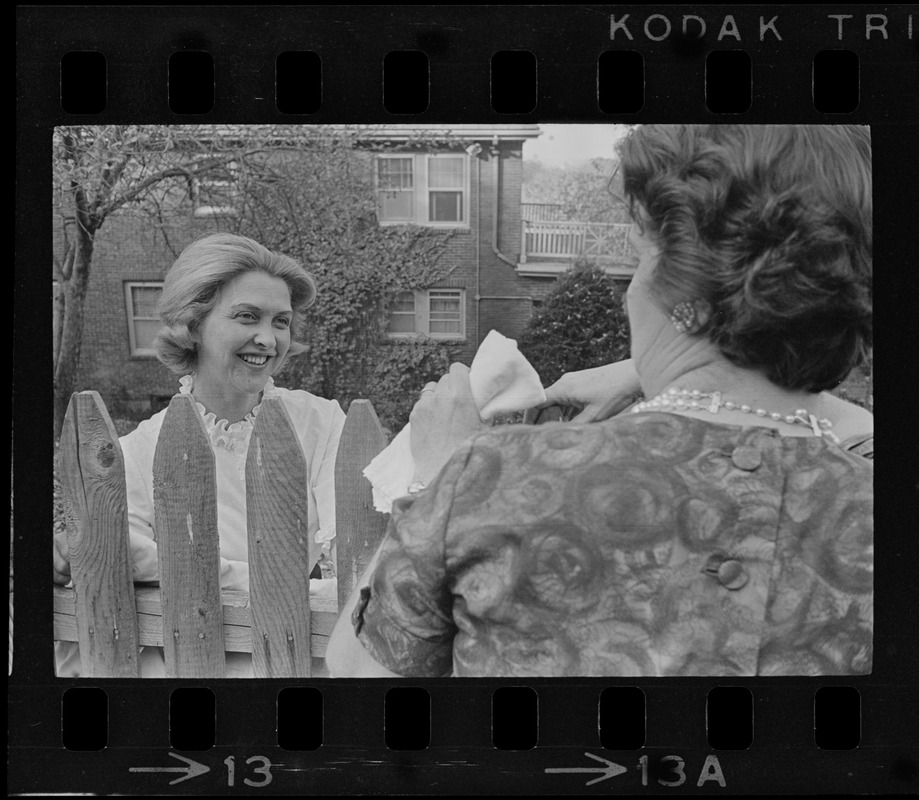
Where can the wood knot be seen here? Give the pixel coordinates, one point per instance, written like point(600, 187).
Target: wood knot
point(107, 455)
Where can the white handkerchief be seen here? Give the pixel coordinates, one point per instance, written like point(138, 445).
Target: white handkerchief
point(501, 380)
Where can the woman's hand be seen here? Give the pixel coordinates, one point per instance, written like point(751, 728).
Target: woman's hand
point(442, 419)
point(601, 392)
point(61, 559)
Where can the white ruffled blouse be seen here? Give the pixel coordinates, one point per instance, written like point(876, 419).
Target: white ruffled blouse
point(318, 423)
point(233, 437)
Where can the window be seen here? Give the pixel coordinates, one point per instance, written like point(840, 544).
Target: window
point(217, 192)
point(446, 182)
point(396, 189)
point(445, 312)
point(438, 313)
point(424, 189)
point(402, 314)
point(143, 322)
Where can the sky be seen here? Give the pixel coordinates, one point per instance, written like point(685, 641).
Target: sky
point(573, 144)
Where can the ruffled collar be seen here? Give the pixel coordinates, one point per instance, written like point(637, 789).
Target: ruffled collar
point(234, 436)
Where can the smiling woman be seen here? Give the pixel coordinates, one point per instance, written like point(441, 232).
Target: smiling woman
point(231, 312)
point(242, 340)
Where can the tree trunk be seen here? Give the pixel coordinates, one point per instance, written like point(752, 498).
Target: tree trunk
point(57, 320)
point(67, 357)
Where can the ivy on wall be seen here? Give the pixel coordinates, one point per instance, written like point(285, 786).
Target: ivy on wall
point(321, 209)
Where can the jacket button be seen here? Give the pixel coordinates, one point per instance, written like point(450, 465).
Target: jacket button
point(732, 574)
point(746, 457)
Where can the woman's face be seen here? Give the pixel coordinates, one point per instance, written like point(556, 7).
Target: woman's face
point(648, 322)
point(246, 335)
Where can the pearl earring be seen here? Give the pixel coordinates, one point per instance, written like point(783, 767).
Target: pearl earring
point(683, 316)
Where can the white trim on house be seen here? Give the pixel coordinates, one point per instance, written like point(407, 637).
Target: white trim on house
point(415, 195)
point(484, 133)
point(133, 317)
point(391, 133)
point(447, 324)
point(205, 186)
point(545, 269)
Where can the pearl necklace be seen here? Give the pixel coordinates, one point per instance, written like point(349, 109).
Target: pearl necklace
point(695, 400)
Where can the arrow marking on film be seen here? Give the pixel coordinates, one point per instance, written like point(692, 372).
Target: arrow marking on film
point(193, 770)
point(611, 770)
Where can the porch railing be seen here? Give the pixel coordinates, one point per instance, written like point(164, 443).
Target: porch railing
point(542, 212)
point(571, 240)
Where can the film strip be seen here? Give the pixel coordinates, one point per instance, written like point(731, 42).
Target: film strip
point(482, 65)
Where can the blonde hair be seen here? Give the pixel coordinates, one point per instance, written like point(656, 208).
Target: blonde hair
point(196, 278)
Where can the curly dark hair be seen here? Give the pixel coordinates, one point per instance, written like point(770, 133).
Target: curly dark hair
point(771, 226)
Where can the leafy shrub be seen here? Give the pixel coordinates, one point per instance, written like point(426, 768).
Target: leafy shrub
point(345, 331)
point(399, 375)
point(581, 324)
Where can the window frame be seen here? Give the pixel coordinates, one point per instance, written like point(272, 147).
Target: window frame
point(422, 316)
point(413, 193)
point(199, 210)
point(133, 349)
point(464, 200)
point(421, 189)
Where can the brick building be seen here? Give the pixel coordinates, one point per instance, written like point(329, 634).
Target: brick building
point(471, 186)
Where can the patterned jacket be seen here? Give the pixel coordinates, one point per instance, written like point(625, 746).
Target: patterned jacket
point(651, 544)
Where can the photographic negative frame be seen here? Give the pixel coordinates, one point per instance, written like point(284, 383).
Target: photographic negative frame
point(149, 745)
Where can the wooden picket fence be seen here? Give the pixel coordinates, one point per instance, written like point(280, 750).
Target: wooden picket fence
point(188, 615)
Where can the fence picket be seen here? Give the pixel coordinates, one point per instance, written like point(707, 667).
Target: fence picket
point(359, 527)
point(188, 615)
point(185, 512)
point(279, 559)
point(92, 476)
